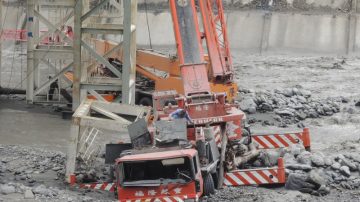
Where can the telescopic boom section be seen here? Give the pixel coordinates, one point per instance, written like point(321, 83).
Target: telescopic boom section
point(188, 42)
point(215, 32)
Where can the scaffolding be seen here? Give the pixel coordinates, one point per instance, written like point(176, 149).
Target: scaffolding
point(68, 49)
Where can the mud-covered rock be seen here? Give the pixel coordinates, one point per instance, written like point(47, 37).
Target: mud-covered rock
point(328, 161)
point(297, 166)
point(7, 189)
point(345, 171)
point(316, 178)
point(304, 158)
point(28, 194)
point(297, 181)
point(336, 166)
point(42, 190)
point(317, 160)
point(357, 104)
point(289, 159)
point(248, 104)
point(352, 166)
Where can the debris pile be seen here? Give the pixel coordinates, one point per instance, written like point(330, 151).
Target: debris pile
point(290, 105)
point(34, 173)
point(23, 163)
point(315, 173)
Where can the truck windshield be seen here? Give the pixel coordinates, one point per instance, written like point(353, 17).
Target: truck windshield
point(157, 172)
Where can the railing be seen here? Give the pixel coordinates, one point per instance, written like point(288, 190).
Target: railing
point(21, 35)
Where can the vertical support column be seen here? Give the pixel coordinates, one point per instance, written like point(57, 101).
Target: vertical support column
point(30, 52)
point(35, 37)
point(72, 149)
point(265, 32)
point(1, 31)
point(77, 54)
point(129, 68)
point(352, 29)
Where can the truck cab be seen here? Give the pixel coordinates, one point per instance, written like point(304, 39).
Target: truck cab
point(170, 174)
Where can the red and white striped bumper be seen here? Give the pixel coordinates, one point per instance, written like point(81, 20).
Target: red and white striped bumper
point(99, 186)
point(274, 175)
point(161, 199)
point(274, 141)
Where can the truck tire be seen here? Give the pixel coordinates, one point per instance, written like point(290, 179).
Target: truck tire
point(215, 177)
point(209, 187)
point(145, 101)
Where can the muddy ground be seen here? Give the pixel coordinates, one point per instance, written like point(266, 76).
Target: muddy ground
point(38, 134)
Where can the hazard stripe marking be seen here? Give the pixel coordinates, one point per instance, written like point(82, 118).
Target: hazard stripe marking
point(264, 176)
point(251, 177)
point(271, 141)
point(256, 138)
point(278, 140)
point(257, 181)
point(283, 142)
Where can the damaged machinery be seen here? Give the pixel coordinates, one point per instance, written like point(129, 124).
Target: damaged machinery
point(179, 159)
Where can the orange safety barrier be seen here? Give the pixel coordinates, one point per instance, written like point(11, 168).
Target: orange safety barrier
point(259, 176)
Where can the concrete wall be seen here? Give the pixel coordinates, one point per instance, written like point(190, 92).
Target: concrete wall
point(261, 31)
point(278, 5)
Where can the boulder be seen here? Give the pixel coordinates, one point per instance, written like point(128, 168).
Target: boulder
point(284, 112)
point(28, 194)
point(352, 166)
point(313, 114)
point(317, 160)
point(289, 159)
point(323, 190)
point(339, 157)
point(336, 166)
point(57, 168)
point(344, 99)
point(247, 103)
point(42, 190)
point(316, 178)
point(345, 171)
point(351, 110)
point(251, 110)
point(297, 181)
point(266, 107)
point(287, 92)
point(296, 149)
point(304, 158)
point(300, 115)
point(357, 104)
point(328, 161)
point(296, 166)
point(7, 189)
point(305, 93)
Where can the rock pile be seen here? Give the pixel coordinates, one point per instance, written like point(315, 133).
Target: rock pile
point(315, 173)
point(24, 162)
point(290, 105)
point(36, 174)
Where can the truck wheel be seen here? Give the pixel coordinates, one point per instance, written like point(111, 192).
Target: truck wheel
point(145, 101)
point(215, 177)
point(209, 187)
point(111, 174)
